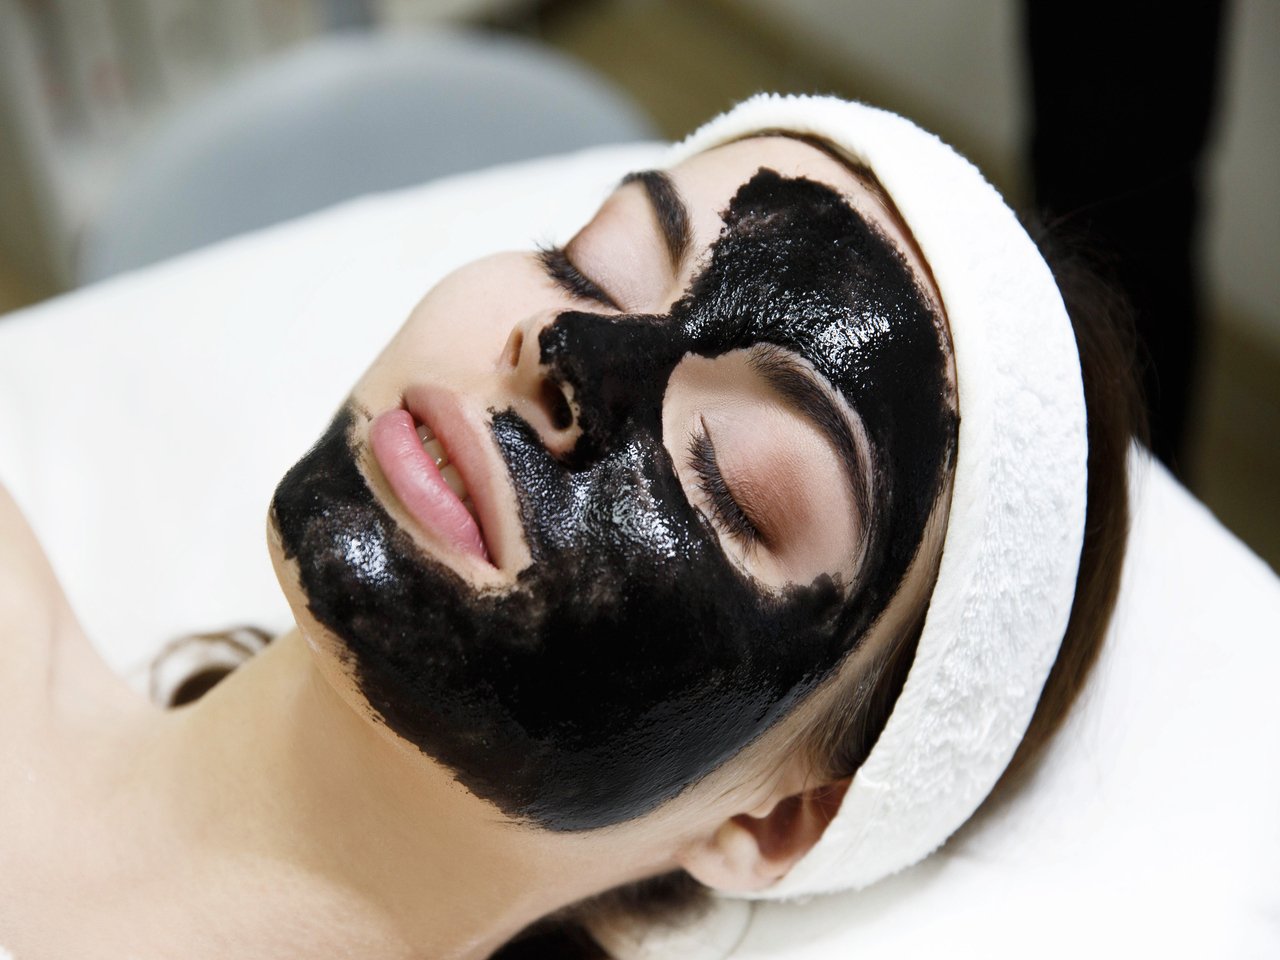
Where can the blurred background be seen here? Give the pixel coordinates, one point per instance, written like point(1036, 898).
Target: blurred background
point(131, 130)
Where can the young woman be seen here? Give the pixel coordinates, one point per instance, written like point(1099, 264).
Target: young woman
point(611, 568)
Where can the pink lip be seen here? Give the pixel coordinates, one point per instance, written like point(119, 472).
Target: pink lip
point(417, 484)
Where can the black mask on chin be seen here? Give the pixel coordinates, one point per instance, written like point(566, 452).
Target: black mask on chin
point(632, 657)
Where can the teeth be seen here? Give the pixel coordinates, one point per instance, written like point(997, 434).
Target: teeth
point(454, 480)
point(435, 450)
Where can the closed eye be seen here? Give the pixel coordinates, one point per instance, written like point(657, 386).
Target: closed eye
point(726, 512)
point(555, 261)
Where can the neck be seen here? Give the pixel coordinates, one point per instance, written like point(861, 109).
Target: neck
point(281, 793)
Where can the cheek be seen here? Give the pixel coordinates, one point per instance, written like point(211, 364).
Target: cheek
point(459, 328)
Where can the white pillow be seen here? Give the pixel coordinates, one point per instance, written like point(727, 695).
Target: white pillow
point(144, 423)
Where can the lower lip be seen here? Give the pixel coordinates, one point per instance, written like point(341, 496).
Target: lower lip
point(417, 484)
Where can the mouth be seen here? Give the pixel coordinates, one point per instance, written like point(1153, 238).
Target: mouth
point(448, 472)
point(429, 485)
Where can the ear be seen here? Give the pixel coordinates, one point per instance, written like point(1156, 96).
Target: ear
point(750, 851)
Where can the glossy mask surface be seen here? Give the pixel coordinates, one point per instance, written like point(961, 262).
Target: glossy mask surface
point(632, 657)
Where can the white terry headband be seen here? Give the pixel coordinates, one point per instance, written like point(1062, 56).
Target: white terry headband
point(1012, 547)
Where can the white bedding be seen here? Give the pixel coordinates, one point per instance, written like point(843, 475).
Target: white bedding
point(145, 421)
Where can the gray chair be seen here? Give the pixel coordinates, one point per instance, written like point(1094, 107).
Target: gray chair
point(341, 116)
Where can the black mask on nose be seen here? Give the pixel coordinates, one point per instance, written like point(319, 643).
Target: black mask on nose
point(632, 657)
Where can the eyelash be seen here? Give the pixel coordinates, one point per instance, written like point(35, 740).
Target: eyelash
point(724, 508)
point(569, 278)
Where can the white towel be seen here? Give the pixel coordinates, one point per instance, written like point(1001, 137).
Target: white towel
point(1016, 523)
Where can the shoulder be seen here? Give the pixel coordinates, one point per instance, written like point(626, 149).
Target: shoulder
point(33, 608)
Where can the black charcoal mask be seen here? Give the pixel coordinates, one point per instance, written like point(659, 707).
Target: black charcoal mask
point(632, 657)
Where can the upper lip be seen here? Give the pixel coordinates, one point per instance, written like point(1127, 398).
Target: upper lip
point(462, 438)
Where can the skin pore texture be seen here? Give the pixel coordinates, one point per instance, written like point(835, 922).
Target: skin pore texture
point(635, 626)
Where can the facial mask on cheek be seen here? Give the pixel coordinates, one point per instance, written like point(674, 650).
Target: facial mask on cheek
point(632, 657)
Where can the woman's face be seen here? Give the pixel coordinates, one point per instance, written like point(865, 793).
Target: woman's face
point(690, 457)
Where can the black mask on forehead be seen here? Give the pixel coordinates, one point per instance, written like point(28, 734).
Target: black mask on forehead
point(632, 657)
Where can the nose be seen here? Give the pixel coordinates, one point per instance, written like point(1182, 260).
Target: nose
point(614, 370)
point(537, 395)
point(582, 378)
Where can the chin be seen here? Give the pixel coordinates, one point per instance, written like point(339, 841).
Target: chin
point(286, 570)
point(287, 575)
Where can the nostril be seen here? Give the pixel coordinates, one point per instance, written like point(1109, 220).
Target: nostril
point(557, 406)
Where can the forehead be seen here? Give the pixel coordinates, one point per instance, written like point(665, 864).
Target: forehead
point(707, 181)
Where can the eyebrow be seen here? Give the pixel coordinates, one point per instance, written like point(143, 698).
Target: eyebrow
point(670, 210)
point(800, 388)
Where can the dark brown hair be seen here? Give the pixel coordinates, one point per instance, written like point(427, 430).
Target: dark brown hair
point(1105, 339)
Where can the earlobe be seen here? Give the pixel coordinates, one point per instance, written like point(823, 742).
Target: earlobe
point(751, 852)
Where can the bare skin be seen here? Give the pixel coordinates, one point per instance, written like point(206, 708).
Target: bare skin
point(273, 817)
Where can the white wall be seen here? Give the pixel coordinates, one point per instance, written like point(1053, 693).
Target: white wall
point(957, 68)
